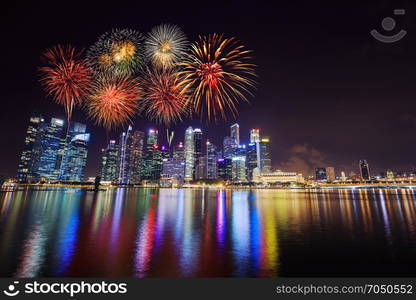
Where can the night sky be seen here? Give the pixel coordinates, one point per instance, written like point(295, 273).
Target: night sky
point(329, 94)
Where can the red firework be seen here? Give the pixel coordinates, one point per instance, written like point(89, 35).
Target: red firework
point(65, 76)
point(165, 97)
point(114, 100)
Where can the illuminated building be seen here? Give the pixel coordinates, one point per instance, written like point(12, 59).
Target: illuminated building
point(251, 159)
point(134, 156)
point(264, 155)
point(320, 174)
point(229, 144)
point(179, 152)
point(239, 168)
point(75, 158)
point(29, 159)
point(198, 155)
point(189, 154)
point(201, 168)
point(224, 169)
point(235, 133)
point(173, 170)
point(51, 143)
point(277, 177)
point(390, 174)
point(122, 168)
point(109, 160)
point(211, 161)
point(330, 173)
point(151, 164)
point(254, 135)
point(343, 177)
point(364, 170)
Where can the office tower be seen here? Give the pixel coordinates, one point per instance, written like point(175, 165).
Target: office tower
point(161, 153)
point(264, 155)
point(200, 168)
point(389, 174)
point(364, 170)
point(229, 144)
point(178, 152)
point(152, 157)
point(235, 133)
point(211, 161)
point(75, 158)
point(173, 169)
point(134, 156)
point(254, 135)
point(189, 154)
point(51, 143)
point(224, 167)
point(122, 168)
point(320, 174)
point(198, 155)
point(251, 159)
point(29, 159)
point(62, 159)
point(343, 177)
point(109, 160)
point(239, 168)
point(330, 173)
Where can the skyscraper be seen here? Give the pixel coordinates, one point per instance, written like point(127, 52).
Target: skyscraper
point(320, 174)
point(134, 156)
point(211, 161)
point(224, 169)
point(364, 170)
point(178, 152)
point(122, 168)
point(239, 168)
point(189, 154)
point(29, 159)
point(229, 144)
point(254, 135)
point(109, 160)
point(51, 143)
point(76, 158)
point(198, 155)
point(235, 132)
point(330, 173)
point(251, 159)
point(151, 163)
point(264, 155)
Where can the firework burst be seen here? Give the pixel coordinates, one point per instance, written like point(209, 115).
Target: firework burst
point(166, 45)
point(165, 96)
point(221, 74)
point(114, 100)
point(118, 52)
point(65, 76)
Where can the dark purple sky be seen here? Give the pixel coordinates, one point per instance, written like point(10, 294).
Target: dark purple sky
point(328, 93)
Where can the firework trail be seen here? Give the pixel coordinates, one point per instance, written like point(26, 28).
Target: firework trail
point(118, 52)
point(166, 96)
point(221, 74)
point(65, 76)
point(114, 100)
point(166, 45)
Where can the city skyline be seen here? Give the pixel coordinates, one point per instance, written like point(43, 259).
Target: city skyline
point(297, 91)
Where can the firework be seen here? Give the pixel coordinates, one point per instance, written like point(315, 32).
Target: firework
point(165, 96)
point(65, 76)
point(221, 74)
point(117, 52)
point(114, 100)
point(166, 45)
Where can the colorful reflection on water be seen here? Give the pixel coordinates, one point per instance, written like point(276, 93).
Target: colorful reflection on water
point(207, 233)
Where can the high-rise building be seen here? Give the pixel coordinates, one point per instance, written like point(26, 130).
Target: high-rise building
point(224, 169)
point(189, 154)
point(29, 159)
point(320, 174)
point(330, 173)
point(122, 167)
point(364, 170)
point(239, 168)
point(173, 169)
point(254, 135)
point(134, 156)
point(230, 145)
point(178, 152)
point(198, 155)
point(211, 161)
point(343, 177)
point(251, 159)
point(109, 161)
point(235, 133)
point(51, 143)
point(152, 158)
point(264, 155)
point(75, 158)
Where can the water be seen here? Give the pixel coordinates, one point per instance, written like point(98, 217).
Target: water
point(207, 233)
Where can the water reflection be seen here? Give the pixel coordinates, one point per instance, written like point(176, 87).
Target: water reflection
point(207, 233)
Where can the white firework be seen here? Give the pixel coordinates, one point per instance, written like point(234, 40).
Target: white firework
point(165, 45)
